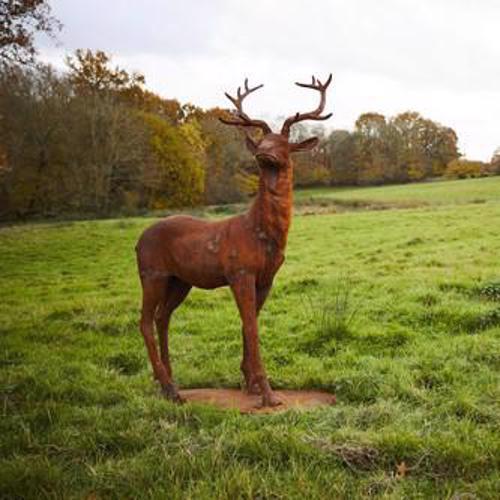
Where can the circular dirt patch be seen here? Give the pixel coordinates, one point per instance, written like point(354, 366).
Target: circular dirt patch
point(249, 403)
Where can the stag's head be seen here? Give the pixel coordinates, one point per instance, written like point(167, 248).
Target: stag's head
point(273, 150)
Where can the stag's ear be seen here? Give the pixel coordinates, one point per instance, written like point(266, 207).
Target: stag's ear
point(306, 145)
point(251, 144)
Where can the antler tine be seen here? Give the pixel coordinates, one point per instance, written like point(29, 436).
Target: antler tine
point(242, 119)
point(312, 115)
point(316, 83)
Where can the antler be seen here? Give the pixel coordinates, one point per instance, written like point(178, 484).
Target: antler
point(313, 115)
point(242, 119)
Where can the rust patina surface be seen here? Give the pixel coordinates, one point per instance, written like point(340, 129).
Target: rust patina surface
point(243, 252)
point(249, 403)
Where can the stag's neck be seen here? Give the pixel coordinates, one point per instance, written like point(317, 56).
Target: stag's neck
point(271, 212)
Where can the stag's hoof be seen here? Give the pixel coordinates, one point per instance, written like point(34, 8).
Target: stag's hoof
point(171, 393)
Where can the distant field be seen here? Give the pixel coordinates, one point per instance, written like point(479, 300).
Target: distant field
point(431, 193)
point(416, 372)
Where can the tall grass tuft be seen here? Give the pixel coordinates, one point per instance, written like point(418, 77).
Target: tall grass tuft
point(332, 314)
point(490, 291)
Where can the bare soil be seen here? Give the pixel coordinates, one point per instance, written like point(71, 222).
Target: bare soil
point(250, 403)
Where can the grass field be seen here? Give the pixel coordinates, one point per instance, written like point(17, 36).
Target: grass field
point(415, 371)
point(423, 194)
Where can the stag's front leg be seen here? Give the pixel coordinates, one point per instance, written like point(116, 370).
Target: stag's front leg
point(260, 297)
point(245, 369)
point(243, 288)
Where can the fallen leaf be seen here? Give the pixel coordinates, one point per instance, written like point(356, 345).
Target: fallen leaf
point(401, 470)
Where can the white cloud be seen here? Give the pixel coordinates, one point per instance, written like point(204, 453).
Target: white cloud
point(438, 57)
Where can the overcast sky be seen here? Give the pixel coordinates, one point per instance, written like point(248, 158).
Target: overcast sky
point(438, 57)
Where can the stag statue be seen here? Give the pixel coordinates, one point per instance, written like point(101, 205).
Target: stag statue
point(243, 252)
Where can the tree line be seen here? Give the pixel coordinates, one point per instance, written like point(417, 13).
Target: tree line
point(92, 139)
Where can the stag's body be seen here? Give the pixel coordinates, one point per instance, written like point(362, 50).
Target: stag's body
point(212, 254)
point(243, 252)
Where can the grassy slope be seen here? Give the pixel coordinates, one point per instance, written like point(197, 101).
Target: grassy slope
point(432, 193)
point(416, 376)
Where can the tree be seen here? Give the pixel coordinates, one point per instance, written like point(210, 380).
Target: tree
point(446, 149)
point(371, 125)
point(342, 158)
point(411, 153)
point(108, 149)
point(310, 167)
point(33, 105)
point(404, 148)
point(85, 145)
point(463, 169)
point(65, 152)
point(169, 109)
point(495, 162)
point(107, 100)
point(90, 72)
point(231, 172)
point(370, 134)
point(94, 140)
point(425, 147)
point(174, 174)
point(19, 21)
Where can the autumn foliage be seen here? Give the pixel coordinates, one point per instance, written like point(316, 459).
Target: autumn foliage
point(94, 140)
point(19, 21)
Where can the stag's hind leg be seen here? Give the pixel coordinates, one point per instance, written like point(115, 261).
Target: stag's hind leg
point(153, 294)
point(176, 292)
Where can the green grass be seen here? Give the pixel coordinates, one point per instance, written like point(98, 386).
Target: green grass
point(430, 193)
point(415, 371)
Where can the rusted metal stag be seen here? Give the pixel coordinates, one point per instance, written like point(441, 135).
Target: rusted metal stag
point(243, 252)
